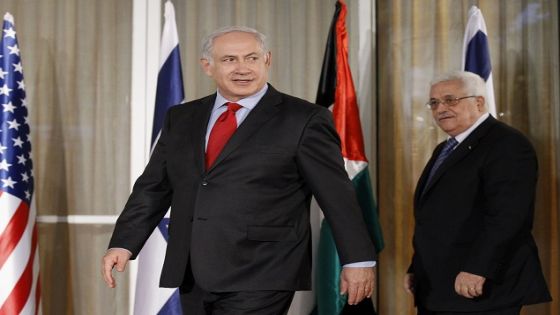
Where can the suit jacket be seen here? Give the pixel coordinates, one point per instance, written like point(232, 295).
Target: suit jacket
point(243, 224)
point(476, 215)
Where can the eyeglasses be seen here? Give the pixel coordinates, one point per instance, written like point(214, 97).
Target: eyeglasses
point(449, 101)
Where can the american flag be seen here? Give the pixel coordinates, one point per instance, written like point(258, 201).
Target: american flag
point(19, 263)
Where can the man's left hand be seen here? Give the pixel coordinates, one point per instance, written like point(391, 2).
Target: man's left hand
point(357, 282)
point(469, 285)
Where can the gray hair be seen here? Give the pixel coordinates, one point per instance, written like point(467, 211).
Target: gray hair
point(208, 42)
point(472, 82)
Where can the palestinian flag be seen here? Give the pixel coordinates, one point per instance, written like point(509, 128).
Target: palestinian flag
point(336, 89)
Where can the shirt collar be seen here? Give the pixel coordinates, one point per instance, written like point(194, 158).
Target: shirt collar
point(463, 135)
point(249, 102)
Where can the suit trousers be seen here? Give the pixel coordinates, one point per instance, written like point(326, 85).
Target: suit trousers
point(505, 311)
point(196, 301)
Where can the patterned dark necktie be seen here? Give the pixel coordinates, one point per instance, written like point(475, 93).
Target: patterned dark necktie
point(447, 149)
point(222, 130)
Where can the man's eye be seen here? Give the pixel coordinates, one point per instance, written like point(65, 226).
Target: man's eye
point(449, 100)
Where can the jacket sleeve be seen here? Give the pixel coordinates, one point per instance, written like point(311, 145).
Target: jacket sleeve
point(149, 201)
point(320, 161)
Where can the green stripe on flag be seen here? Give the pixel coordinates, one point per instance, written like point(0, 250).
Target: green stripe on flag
point(362, 184)
point(329, 301)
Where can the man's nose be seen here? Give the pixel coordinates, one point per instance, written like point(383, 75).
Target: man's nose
point(440, 108)
point(242, 67)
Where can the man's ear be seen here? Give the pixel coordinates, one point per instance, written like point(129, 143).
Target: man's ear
point(268, 58)
point(206, 65)
point(481, 103)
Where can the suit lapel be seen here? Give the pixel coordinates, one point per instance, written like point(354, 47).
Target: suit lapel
point(420, 189)
point(462, 150)
point(263, 111)
point(199, 125)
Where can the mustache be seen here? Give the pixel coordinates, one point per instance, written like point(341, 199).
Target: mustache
point(444, 115)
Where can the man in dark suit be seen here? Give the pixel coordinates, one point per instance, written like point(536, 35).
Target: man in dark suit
point(239, 233)
point(473, 206)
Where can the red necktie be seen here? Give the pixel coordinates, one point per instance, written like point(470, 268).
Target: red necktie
point(222, 130)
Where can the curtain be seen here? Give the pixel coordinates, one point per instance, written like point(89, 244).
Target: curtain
point(76, 59)
point(76, 62)
point(296, 35)
point(418, 39)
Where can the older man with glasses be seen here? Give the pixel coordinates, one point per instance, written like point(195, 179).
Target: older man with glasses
point(474, 204)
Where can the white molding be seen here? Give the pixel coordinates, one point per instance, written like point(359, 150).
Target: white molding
point(78, 219)
point(146, 33)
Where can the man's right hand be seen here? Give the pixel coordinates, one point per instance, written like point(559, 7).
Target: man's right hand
point(409, 283)
point(113, 256)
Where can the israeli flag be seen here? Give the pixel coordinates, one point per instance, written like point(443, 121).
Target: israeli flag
point(476, 54)
point(150, 299)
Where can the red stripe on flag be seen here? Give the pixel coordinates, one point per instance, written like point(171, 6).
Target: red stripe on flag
point(13, 232)
point(345, 110)
point(20, 293)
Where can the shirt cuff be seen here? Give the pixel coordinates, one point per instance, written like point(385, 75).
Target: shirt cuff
point(121, 249)
point(361, 264)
